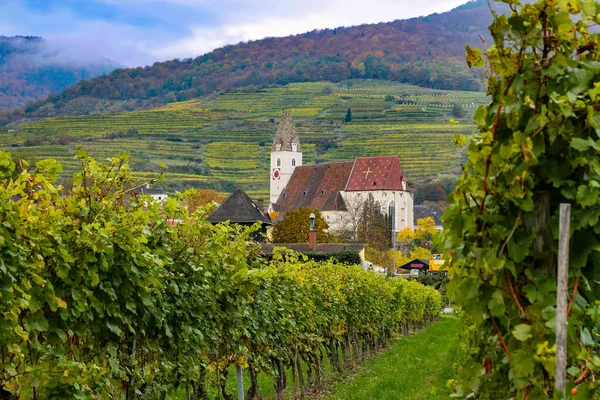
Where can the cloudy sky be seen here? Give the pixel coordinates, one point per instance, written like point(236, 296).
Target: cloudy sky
point(139, 32)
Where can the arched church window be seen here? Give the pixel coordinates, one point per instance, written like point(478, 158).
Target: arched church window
point(279, 162)
point(293, 162)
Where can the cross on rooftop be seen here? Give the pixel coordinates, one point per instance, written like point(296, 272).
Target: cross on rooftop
point(367, 172)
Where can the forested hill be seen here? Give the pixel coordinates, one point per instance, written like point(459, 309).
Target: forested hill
point(426, 51)
point(31, 70)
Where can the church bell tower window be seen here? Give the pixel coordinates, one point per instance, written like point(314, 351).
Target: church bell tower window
point(293, 162)
point(294, 146)
point(279, 162)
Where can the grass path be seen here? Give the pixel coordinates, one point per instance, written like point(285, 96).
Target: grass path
point(416, 367)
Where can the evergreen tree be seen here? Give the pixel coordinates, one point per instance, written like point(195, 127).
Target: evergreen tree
point(374, 228)
point(348, 117)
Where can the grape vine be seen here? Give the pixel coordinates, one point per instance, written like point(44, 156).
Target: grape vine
point(103, 298)
point(537, 146)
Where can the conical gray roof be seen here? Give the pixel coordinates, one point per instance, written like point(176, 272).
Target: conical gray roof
point(238, 208)
point(286, 134)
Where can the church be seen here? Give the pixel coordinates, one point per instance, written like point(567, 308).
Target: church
point(338, 190)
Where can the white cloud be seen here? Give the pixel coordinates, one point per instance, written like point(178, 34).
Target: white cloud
point(273, 19)
point(122, 43)
point(188, 28)
point(204, 40)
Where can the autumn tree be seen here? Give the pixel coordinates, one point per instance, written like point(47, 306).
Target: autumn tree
point(198, 198)
point(458, 110)
point(295, 226)
point(405, 240)
point(432, 192)
point(273, 215)
point(425, 228)
point(421, 237)
point(401, 259)
point(405, 235)
point(422, 253)
point(447, 182)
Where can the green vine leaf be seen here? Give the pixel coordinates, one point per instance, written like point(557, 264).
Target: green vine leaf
point(522, 332)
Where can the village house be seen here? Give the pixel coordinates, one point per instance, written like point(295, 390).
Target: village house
point(238, 208)
point(156, 193)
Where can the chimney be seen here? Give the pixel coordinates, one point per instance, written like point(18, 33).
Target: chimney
point(312, 234)
point(312, 240)
point(261, 204)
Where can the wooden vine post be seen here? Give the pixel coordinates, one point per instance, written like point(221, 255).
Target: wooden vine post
point(240, 382)
point(561, 299)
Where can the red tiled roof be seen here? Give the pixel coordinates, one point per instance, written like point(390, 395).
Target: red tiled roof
point(316, 186)
point(375, 173)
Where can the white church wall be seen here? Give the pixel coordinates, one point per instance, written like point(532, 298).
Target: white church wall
point(283, 164)
point(336, 220)
point(402, 199)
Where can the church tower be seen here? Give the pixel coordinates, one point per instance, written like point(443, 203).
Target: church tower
point(286, 155)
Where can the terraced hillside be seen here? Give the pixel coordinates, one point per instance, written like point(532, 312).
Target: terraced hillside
point(222, 141)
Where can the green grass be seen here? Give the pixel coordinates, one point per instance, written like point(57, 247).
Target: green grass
point(417, 367)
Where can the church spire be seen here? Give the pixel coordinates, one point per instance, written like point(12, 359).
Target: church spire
point(286, 155)
point(286, 137)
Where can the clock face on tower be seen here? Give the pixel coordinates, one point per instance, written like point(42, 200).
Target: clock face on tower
point(276, 174)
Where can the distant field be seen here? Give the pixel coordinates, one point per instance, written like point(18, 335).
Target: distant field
point(223, 141)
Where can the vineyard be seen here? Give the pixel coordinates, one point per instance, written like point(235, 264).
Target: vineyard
point(222, 140)
point(102, 298)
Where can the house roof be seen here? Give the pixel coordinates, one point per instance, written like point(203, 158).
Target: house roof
point(154, 191)
point(322, 248)
point(286, 135)
point(427, 210)
point(417, 263)
point(238, 208)
point(375, 173)
point(316, 186)
point(157, 190)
